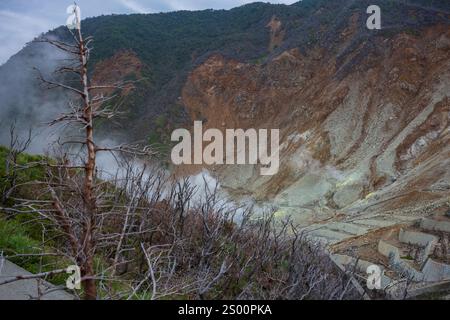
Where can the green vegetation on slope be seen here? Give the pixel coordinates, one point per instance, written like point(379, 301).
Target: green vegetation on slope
point(21, 233)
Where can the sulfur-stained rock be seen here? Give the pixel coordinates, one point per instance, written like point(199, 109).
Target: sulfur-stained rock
point(347, 194)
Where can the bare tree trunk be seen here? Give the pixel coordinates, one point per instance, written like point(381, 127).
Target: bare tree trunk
point(87, 268)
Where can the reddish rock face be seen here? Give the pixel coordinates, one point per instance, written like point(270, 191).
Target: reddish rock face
point(116, 69)
point(378, 116)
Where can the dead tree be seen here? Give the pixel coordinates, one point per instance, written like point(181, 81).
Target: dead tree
point(80, 224)
point(82, 114)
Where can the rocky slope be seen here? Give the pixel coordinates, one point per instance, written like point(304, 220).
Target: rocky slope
point(371, 134)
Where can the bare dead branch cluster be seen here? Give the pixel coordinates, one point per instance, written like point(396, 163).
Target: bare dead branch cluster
point(12, 166)
point(159, 240)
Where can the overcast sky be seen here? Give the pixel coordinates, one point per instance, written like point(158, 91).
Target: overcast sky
point(22, 20)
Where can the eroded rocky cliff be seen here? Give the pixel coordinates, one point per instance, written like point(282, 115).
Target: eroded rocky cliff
point(365, 128)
